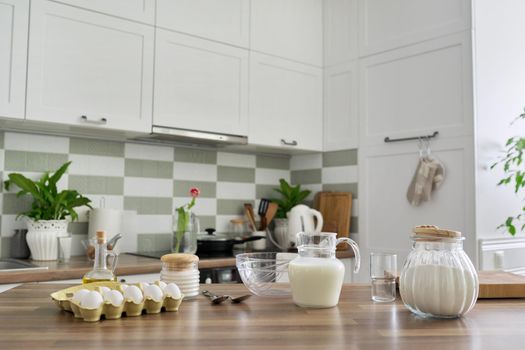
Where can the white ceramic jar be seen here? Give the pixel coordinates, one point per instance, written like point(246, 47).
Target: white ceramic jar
point(183, 270)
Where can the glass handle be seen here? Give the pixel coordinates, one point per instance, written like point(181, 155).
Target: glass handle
point(114, 261)
point(355, 248)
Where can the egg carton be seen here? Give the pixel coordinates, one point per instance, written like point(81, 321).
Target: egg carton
point(64, 300)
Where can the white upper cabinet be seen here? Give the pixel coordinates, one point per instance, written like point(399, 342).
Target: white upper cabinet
point(340, 31)
point(387, 24)
point(200, 84)
point(89, 69)
point(340, 107)
point(14, 17)
point(286, 106)
point(225, 20)
point(418, 90)
point(291, 29)
point(136, 10)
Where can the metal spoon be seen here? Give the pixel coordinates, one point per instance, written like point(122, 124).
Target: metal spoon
point(215, 299)
point(240, 299)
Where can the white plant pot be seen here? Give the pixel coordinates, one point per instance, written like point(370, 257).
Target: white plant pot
point(42, 238)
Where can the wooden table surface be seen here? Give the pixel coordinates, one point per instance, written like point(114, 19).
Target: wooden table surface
point(30, 320)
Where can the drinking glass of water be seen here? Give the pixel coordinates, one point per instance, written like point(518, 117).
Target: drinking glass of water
point(383, 272)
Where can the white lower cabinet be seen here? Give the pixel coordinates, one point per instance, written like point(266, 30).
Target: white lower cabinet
point(200, 85)
point(88, 69)
point(14, 18)
point(286, 107)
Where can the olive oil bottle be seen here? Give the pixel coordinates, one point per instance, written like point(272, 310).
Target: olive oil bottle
point(100, 271)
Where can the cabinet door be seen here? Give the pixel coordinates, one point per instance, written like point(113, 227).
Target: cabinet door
point(200, 84)
point(291, 29)
point(340, 122)
point(417, 90)
point(226, 20)
point(385, 216)
point(137, 10)
point(14, 17)
point(89, 69)
point(285, 103)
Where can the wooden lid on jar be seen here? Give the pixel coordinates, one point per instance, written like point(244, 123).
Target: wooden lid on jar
point(179, 260)
point(434, 232)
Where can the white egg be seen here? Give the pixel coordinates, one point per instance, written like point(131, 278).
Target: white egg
point(103, 289)
point(114, 297)
point(172, 290)
point(154, 292)
point(133, 293)
point(79, 294)
point(123, 287)
point(143, 285)
point(161, 284)
point(92, 300)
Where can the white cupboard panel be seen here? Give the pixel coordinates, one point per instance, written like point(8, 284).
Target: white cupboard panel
point(417, 90)
point(226, 20)
point(14, 18)
point(387, 24)
point(340, 31)
point(385, 213)
point(340, 107)
point(200, 85)
point(285, 103)
point(137, 10)
point(87, 64)
point(290, 29)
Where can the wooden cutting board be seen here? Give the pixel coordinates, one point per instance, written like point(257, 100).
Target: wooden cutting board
point(499, 284)
point(336, 208)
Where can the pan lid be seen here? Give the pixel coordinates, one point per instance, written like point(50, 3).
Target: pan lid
point(211, 235)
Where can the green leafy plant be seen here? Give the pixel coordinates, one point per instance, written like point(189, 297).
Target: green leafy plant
point(290, 197)
point(514, 169)
point(48, 203)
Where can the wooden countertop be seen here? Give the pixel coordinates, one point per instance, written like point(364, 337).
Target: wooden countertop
point(127, 265)
point(79, 265)
point(30, 320)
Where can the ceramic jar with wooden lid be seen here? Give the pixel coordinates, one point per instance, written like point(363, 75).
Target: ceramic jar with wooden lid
point(438, 278)
point(183, 270)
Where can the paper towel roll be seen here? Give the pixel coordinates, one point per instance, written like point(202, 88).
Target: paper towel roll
point(109, 220)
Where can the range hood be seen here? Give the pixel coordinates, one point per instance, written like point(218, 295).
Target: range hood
point(173, 135)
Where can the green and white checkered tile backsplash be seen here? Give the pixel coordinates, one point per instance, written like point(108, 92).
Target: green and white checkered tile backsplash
point(152, 180)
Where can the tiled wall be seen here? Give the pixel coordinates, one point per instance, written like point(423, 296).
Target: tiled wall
point(328, 171)
point(151, 180)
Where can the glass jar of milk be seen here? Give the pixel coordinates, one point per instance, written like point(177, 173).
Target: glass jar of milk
point(316, 276)
point(438, 278)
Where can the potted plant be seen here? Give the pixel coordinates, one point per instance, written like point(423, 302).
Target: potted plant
point(514, 169)
point(47, 218)
point(290, 197)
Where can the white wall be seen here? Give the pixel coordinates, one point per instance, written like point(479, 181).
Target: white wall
point(499, 56)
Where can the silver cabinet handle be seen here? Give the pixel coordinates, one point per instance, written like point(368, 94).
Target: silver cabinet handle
point(293, 143)
point(101, 121)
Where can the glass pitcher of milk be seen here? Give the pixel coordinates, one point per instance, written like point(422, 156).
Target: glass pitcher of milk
point(316, 276)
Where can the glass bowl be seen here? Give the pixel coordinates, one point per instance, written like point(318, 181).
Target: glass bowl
point(265, 274)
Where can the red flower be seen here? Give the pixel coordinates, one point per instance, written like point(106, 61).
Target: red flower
point(195, 192)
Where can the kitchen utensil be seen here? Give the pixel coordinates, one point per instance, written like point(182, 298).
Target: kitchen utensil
point(500, 284)
point(214, 243)
point(248, 211)
point(264, 273)
point(263, 208)
point(215, 299)
point(336, 209)
point(301, 219)
point(316, 276)
point(270, 213)
point(240, 299)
